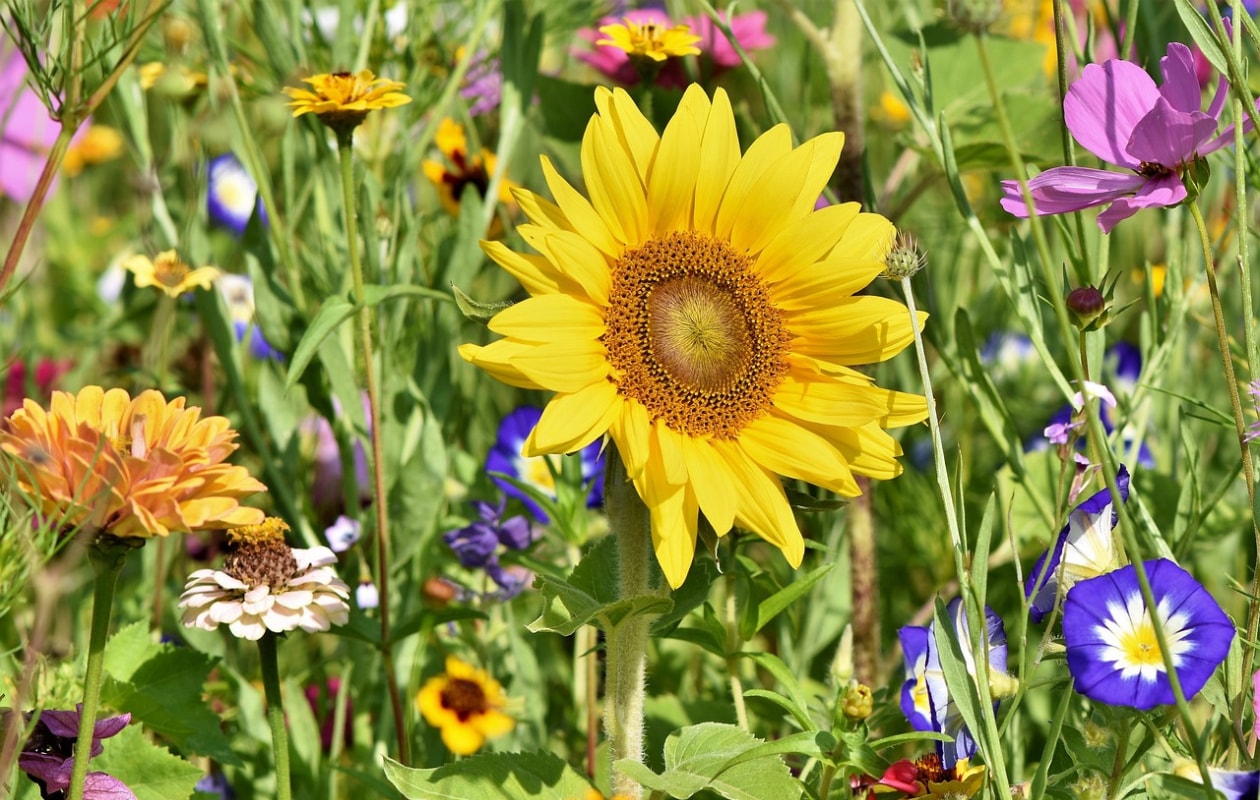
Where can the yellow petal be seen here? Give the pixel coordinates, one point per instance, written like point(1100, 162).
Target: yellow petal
point(674, 522)
point(549, 318)
point(615, 188)
point(763, 507)
point(786, 448)
point(634, 132)
point(826, 401)
point(854, 330)
point(536, 274)
point(562, 366)
point(667, 453)
point(772, 199)
point(579, 212)
point(719, 155)
point(673, 179)
point(462, 739)
point(803, 242)
point(835, 278)
point(572, 421)
point(632, 431)
point(497, 359)
point(710, 479)
point(580, 261)
point(771, 146)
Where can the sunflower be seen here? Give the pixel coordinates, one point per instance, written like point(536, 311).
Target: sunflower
point(169, 273)
point(342, 100)
point(466, 704)
point(129, 467)
point(700, 311)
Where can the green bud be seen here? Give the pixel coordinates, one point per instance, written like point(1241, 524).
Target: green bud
point(974, 16)
point(857, 703)
point(904, 259)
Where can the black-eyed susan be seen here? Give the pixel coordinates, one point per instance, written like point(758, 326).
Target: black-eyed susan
point(462, 169)
point(466, 704)
point(169, 273)
point(699, 310)
point(342, 100)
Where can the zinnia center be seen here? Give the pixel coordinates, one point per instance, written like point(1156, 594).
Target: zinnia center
point(465, 698)
point(170, 272)
point(692, 334)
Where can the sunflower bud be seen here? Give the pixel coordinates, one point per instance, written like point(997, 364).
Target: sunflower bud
point(905, 258)
point(974, 16)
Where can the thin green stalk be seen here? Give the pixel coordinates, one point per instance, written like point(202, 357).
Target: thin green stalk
point(626, 661)
point(345, 146)
point(1117, 764)
point(107, 556)
point(993, 753)
point(275, 713)
point(734, 643)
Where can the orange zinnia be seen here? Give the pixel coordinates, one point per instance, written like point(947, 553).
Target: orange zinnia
point(129, 467)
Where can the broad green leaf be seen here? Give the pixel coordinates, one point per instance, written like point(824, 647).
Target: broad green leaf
point(161, 685)
point(331, 314)
point(719, 758)
point(589, 596)
point(151, 772)
point(492, 776)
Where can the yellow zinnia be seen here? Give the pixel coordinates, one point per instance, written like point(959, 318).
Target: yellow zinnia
point(129, 467)
point(463, 170)
point(650, 40)
point(342, 100)
point(169, 273)
point(699, 310)
point(466, 704)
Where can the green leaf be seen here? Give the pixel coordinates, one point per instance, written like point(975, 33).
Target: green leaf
point(774, 605)
point(566, 107)
point(798, 703)
point(589, 596)
point(161, 685)
point(151, 772)
point(332, 313)
point(475, 309)
point(960, 683)
point(719, 758)
point(492, 776)
point(375, 295)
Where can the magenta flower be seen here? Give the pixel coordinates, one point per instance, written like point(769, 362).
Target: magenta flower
point(749, 30)
point(1116, 112)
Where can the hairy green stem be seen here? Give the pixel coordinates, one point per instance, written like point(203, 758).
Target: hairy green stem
point(345, 146)
point(626, 666)
point(107, 556)
point(275, 713)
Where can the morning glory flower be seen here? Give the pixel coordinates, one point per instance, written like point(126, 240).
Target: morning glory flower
point(232, 195)
point(506, 457)
point(1116, 112)
point(914, 696)
point(1084, 548)
point(925, 699)
point(1112, 650)
point(1228, 783)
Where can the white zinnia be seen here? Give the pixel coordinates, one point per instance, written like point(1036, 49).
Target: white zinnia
point(313, 599)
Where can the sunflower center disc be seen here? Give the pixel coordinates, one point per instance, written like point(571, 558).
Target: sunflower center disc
point(692, 334)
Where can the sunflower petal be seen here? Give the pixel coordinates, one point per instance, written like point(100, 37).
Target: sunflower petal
point(854, 330)
point(535, 273)
point(672, 184)
point(763, 507)
point(579, 212)
point(706, 470)
point(771, 146)
point(719, 155)
point(800, 244)
point(773, 198)
point(497, 358)
point(826, 401)
point(562, 366)
point(572, 421)
point(549, 318)
point(787, 448)
point(615, 187)
point(633, 131)
point(632, 432)
point(580, 261)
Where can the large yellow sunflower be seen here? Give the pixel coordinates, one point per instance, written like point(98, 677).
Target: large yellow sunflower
point(700, 311)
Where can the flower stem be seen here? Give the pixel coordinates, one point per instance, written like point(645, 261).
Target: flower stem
point(864, 577)
point(627, 641)
point(107, 556)
point(346, 151)
point(734, 643)
point(275, 713)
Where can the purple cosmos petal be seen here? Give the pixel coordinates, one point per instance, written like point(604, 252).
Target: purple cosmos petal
point(1170, 137)
point(1181, 86)
point(1166, 190)
point(1109, 636)
point(1218, 99)
point(102, 786)
point(1105, 104)
point(1063, 189)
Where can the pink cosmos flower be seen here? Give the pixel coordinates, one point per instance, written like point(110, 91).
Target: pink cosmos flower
point(749, 30)
point(27, 131)
point(1116, 112)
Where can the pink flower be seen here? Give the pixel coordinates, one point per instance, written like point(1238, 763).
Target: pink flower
point(749, 30)
point(1116, 112)
point(27, 130)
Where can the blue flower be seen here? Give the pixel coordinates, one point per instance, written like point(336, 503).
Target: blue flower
point(1230, 784)
point(232, 195)
point(1006, 353)
point(1068, 421)
point(506, 457)
point(1112, 650)
point(343, 534)
point(925, 699)
point(1084, 547)
point(474, 544)
point(215, 783)
point(914, 695)
point(1123, 363)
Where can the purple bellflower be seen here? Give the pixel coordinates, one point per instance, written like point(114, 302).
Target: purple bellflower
point(1112, 649)
point(476, 545)
point(1116, 112)
point(47, 758)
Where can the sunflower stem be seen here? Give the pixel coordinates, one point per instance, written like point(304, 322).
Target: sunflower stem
point(275, 713)
point(626, 666)
point(107, 555)
point(734, 643)
point(345, 147)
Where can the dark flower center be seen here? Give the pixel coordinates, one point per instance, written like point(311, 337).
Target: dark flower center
point(465, 698)
point(1152, 169)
